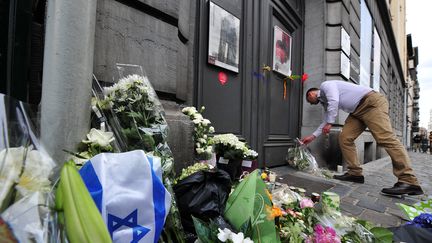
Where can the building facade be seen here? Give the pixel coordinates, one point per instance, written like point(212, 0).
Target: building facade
point(356, 43)
point(212, 53)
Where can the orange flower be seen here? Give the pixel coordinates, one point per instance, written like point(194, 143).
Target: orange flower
point(273, 212)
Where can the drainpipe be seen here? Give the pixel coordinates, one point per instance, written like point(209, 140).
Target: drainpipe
point(405, 126)
point(67, 72)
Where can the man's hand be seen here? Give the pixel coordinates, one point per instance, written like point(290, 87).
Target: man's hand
point(308, 139)
point(326, 128)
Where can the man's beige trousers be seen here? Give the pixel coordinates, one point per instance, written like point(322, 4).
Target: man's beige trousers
point(373, 113)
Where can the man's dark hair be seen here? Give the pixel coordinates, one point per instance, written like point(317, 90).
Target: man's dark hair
point(310, 90)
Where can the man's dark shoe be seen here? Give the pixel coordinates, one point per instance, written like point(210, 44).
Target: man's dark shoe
point(401, 188)
point(348, 177)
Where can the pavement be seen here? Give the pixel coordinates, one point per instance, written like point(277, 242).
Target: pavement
point(364, 201)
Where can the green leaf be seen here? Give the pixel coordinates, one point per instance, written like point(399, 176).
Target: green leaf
point(246, 228)
point(368, 225)
point(204, 233)
point(382, 235)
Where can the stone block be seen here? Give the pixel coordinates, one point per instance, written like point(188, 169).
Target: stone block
point(372, 204)
point(334, 13)
point(351, 209)
point(333, 62)
point(355, 7)
point(354, 19)
point(127, 35)
point(333, 37)
point(170, 7)
point(379, 218)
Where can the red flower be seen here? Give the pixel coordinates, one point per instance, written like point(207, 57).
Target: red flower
point(304, 77)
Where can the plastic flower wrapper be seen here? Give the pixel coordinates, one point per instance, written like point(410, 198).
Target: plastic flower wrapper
point(299, 157)
point(284, 196)
point(352, 230)
point(31, 218)
point(25, 172)
point(202, 132)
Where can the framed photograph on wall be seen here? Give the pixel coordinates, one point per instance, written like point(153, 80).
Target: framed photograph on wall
point(224, 38)
point(281, 51)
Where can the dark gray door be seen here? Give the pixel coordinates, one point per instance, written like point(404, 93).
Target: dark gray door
point(252, 107)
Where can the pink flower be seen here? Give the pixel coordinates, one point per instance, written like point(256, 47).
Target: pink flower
point(306, 203)
point(325, 235)
point(319, 229)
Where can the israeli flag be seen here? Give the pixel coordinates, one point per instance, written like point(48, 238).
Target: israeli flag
point(128, 190)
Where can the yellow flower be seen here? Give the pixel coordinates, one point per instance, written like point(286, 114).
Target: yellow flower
point(269, 195)
point(263, 175)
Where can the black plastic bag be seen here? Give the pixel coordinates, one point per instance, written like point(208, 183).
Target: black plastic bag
point(203, 195)
point(410, 233)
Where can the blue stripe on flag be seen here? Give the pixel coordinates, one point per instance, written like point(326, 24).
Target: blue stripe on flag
point(158, 202)
point(92, 183)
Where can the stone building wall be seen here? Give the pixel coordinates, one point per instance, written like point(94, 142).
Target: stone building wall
point(324, 60)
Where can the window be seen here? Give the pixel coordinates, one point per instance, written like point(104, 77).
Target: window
point(376, 61)
point(365, 44)
point(370, 50)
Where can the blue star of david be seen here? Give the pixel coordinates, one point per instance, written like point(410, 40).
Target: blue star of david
point(130, 221)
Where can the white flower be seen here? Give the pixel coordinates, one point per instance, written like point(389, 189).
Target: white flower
point(189, 110)
point(211, 130)
point(224, 235)
point(37, 169)
point(237, 238)
point(206, 122)
point(209, 150)
point(200, 150)
point(99, 137)
point(12, 161)
point(198, 116)
point(196, 121)
point(247, 240)
point(202, 140)
point(250, 153)
point(198, 145)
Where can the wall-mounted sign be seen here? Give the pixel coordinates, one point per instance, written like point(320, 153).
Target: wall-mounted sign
point(281, 51)
point(345, 42)
point(345, 65)
point(224, 38)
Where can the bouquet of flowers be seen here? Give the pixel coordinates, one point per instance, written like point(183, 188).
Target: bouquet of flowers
point(203, 130)
point(295, 220)
point(137, 118)
point(191, 170)
point(229, 146)
point(26, 172)
point(300, 158)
